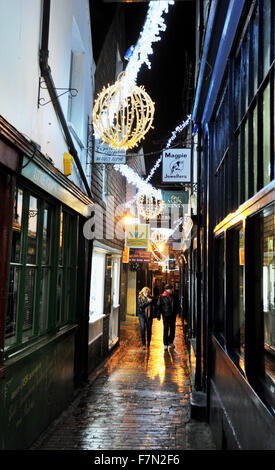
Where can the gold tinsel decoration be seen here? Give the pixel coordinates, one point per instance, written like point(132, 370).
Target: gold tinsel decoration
point(122, 118)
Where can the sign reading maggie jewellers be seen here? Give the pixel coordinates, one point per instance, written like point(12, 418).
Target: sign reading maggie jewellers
point(176, 165)
point(103, 153)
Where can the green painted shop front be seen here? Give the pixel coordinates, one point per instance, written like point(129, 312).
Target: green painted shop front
point(37, 386)
point(44, 326)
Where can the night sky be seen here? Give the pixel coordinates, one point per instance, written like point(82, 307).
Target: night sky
point(164, 81)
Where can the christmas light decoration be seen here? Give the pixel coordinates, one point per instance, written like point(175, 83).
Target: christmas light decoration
point(122, 118)
point(178, 129)
point(133, 178)
point(154, 23)
point(149, 205)
point(158, 253)
point(123, 112)
point(160, 235)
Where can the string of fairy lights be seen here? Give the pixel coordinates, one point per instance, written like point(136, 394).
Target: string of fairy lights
point(123, 114)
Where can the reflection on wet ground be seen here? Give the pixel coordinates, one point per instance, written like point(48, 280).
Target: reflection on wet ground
point(140, 400)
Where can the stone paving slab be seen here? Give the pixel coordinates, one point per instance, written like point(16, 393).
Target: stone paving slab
point(137, 400)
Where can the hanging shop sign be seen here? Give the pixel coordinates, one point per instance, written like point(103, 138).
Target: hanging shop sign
point(103, 153)
point(140, 256)
point(176, 165)
point(175, 198)
point(137, 236)
point(125, 255)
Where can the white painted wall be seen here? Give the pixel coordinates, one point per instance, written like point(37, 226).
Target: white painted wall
point(20, 22)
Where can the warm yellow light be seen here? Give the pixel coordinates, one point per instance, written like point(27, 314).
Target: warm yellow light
point(123, 118)
point(149, 205)
point(160, 247)
point(128, 220)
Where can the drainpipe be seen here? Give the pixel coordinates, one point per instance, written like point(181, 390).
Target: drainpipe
point(46, 74)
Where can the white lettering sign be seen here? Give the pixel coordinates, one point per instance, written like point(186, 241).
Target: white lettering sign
point(105, 154)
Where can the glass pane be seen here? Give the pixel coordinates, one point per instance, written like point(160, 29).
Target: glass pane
point(269, 296)
point(97, 285)
point(267, 34)
point(220, 280)
point(255, 147)
point(44, 299)
point(237, 93)
point(46, 240)
point(238, 295)
point(239, 167)
point(266, 135)
point(67, 294)
point(61, 237)
point(256, 48)
point(12, 302)
point(28, 311)
point(246, 159)
point(244, 76)
point(67, 239)
point(59, 295)
point(17, 226)
point(32, 230)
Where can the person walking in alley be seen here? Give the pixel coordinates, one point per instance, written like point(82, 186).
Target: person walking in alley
point(168, 305)
point(145, 314)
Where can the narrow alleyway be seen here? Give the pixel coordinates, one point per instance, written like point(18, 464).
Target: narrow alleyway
point(137, 400)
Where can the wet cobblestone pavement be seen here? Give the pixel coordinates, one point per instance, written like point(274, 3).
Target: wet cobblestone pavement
point(137, 400)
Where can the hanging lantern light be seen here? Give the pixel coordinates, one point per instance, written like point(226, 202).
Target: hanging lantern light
point(160, 235)
point(123, 113)
point(149, 205)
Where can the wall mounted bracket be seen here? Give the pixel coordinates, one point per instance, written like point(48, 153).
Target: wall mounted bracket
point(73, 92)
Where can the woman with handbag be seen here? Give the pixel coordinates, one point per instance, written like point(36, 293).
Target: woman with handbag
point(145, 315)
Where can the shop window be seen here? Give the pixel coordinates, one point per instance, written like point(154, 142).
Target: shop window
point(255, 49)
point(33, 261)
point(45, 269)
point(116, 280)
point(97, 286)
point(15, 269)
point(261, 302)
point(266, 135)
point(268, 286)
point(255, 149)
point(235, 294)
point(96, 309)
point(267, 17)
point(219, 288)
point(66, 268)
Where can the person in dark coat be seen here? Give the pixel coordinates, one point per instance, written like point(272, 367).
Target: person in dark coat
point(168, 305)
point(145, 315)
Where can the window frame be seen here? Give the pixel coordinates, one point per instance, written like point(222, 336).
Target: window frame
point(52, 326)
point(237, 358)
point(244, 155)
point(253, 356)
